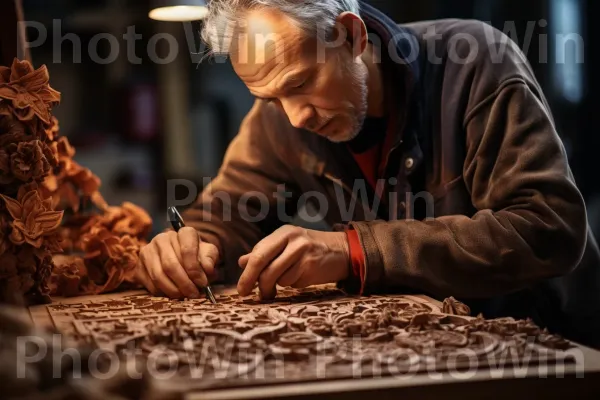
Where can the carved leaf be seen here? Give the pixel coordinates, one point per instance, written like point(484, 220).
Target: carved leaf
point(13, 207)
point(50, 220)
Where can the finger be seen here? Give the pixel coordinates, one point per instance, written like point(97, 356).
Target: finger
point(262, 255)
point(307, 276)
point(151, 259)
point(189, 246)
point(143, 278)
point(291, 276)
point(301, 283)
point(267, 280)
point(209, 256)
point(168, 249)
point(243, 261)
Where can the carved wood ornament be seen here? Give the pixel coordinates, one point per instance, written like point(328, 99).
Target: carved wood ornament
point(50, 204)
point(311, 334)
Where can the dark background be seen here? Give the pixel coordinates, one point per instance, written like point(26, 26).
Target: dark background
point(138, 124)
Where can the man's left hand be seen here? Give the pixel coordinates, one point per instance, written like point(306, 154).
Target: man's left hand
point(294, 257)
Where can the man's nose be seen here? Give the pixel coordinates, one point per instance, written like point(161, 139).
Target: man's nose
point(300, 114)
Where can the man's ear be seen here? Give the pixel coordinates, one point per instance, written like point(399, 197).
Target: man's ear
point(354, 29)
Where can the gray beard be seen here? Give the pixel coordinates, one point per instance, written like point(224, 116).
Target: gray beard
point(358, 124)
point(361, 111)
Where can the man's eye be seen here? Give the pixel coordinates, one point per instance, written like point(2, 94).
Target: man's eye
point(302, 84)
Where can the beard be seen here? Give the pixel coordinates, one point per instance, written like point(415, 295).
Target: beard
point(358, 113)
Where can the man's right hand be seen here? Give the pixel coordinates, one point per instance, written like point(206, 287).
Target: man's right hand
point(177, 264)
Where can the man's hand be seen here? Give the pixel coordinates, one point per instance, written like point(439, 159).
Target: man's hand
point(177, 263)
point(295, 257)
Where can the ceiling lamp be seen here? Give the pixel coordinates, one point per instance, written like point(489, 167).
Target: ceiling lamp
point(178, 10)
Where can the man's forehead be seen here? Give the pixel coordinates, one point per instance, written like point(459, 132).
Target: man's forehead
point(266, 39)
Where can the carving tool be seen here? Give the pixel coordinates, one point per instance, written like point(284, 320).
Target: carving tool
point(177, 224)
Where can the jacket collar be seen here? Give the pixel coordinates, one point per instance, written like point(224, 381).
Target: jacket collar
point(402, 61)
point(400, 52)
point(405, 43)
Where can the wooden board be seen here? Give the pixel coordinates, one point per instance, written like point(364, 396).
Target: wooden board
point(318, 342)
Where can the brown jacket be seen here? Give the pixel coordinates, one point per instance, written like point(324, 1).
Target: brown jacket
point(508, 234)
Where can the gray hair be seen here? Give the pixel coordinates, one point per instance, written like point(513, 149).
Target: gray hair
point(315, 17)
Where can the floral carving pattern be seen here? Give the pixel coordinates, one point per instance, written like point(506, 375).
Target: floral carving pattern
point(305, 335)
point(33, 219)
point(28, 91)
point(39, 181)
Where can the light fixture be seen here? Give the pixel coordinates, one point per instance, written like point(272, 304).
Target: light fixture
point(178, 10)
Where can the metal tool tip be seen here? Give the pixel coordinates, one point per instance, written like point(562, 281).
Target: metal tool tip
point(210, 295)
point(173, 214)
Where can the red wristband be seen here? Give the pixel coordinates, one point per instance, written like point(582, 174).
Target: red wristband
point(357, 257)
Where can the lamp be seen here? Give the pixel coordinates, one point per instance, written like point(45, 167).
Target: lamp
point(178, 10)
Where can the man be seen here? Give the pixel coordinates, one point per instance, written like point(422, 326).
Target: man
point(442, 124)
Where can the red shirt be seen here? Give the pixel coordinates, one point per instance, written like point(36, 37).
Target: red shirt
point(372, 164)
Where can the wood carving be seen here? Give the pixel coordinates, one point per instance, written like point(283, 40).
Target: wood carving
point(310, 334)
point(51, 204)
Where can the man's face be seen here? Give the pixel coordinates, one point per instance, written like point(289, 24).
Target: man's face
point(278, 62)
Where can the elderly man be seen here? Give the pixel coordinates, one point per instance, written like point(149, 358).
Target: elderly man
point(429, 148)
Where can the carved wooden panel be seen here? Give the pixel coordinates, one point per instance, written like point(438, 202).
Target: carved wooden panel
point(307, 335)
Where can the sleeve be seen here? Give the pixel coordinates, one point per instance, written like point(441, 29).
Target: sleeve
point(531, 219)
point(244, 202)
point(357, 258)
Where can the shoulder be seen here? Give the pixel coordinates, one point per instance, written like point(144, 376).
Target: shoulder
point(471, 44)
point(472, 55)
